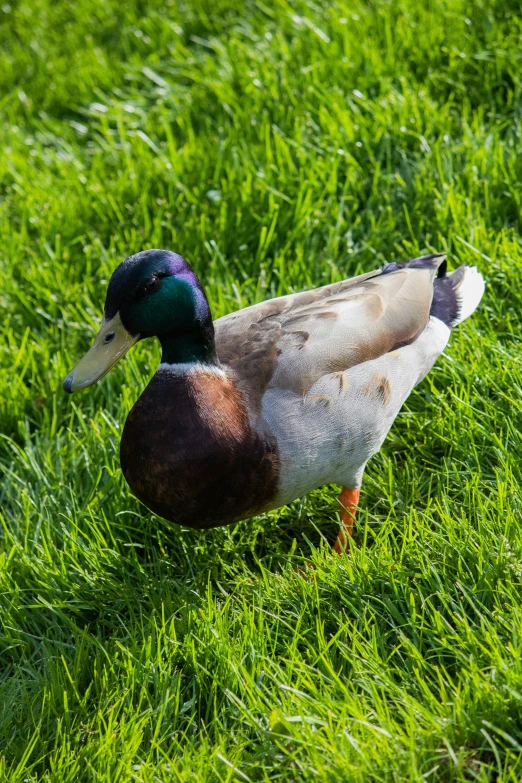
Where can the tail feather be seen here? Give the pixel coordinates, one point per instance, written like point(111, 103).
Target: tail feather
point(470, 291)
point(456, 295)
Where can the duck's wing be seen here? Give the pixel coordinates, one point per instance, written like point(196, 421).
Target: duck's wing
point(292, 341)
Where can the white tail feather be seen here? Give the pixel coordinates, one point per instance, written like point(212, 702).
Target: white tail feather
point(469, 292)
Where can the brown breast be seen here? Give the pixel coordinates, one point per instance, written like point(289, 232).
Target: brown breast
point(189, 452)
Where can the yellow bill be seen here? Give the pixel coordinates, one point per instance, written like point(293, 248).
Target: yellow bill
point(111, 343)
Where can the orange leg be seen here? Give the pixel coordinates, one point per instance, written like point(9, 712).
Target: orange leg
point(349, 500)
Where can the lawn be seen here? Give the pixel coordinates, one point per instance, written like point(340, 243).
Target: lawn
point(277, 146)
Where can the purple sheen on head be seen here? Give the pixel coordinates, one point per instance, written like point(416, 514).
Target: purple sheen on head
point(136, 269)
point(183, 271)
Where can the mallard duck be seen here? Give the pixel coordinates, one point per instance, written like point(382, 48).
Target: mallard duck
point(248, 413)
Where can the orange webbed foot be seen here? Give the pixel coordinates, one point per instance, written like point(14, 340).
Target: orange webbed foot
point(349, 500)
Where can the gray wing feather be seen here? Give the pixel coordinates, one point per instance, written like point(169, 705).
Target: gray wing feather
point(291, 342)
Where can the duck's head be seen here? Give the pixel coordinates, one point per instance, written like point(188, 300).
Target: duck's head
point(154, 293)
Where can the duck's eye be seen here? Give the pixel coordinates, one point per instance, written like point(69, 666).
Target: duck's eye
point(151, 285)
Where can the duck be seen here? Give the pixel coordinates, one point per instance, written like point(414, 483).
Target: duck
point(247, 413)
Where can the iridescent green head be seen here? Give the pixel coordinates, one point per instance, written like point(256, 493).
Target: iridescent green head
point(155, 293)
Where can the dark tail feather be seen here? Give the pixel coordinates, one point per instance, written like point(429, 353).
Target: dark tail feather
point(445, 304)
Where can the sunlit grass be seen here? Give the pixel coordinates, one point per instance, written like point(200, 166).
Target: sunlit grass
point(277, 146)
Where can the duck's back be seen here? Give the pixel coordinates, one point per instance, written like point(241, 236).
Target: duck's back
point(289, 343)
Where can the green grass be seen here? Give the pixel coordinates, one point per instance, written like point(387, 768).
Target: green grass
point(277, 146)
